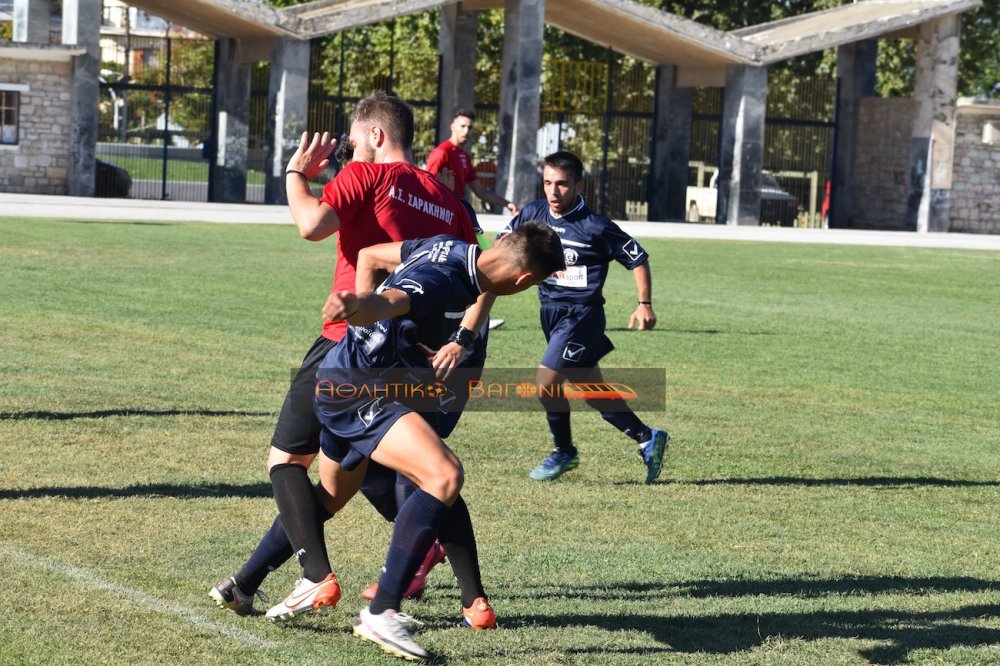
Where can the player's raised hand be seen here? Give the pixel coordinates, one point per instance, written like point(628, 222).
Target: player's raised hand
point(312, 156)
point(340, 305)
point(644, 317)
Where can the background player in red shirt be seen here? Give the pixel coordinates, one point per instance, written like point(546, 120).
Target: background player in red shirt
point(452, 156)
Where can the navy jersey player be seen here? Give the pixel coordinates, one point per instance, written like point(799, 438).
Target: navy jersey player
point(366, 416)
point(572, 313)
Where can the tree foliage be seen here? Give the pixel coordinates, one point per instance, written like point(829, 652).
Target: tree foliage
point(978, 74)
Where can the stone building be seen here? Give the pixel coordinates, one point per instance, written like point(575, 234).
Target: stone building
point(975, 193)
point(35, 110)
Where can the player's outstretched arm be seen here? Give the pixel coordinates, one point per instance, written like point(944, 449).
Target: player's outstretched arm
point(445, 177)
point(643, 314)
point(375, 262)
point(492, 198)
point(345, 306)
point(314, 219)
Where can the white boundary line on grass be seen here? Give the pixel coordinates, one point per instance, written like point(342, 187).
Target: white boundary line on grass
point(152, 603)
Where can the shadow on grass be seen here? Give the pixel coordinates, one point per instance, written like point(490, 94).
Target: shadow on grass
point(691, 331)
point(144, 223)
point(859, 481)
point(180, 491)
point(900, 633)
point(104, 413)
point(805, 588)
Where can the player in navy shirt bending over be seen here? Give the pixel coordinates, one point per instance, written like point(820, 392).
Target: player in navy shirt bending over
point(397, 328)
point(572, 313)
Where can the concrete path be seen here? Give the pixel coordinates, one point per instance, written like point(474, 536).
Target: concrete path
point(30, 205)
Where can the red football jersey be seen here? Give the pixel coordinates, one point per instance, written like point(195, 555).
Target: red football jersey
point(455, 158)
point(385, 203)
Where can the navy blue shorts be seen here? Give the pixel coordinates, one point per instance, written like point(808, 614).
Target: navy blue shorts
point(352, 427)
point(575, 334)
point(297, 430)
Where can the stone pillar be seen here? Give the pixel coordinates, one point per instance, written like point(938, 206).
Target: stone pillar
point(81, 26)
point(31, 21)
point(742, 155)
point(932, 141)
point(671, 149)
point(228, 183)
point(288, 110)
point(520, 100)
point(855, 79)
point(457, 46)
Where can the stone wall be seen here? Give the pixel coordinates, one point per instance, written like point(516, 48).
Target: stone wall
point(881, 169)
point(975, 195)
point(39, 163)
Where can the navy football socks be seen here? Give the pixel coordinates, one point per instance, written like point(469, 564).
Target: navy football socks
point(415, 530)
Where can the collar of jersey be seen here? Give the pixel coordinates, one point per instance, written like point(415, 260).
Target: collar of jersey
point(580, 204)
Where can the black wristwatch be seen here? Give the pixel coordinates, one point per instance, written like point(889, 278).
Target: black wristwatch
point(464, 337)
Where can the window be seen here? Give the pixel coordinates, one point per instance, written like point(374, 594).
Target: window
point(10, 101)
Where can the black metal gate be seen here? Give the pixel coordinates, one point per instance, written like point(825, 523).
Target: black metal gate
point(155, 132)
point(798, 139)
point(155, 119)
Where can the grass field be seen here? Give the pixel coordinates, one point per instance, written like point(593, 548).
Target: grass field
point(147, 168)
point(830, 497)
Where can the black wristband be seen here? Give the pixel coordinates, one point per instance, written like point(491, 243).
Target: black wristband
point(288, 171)
point(464, 337)
point(645, 302)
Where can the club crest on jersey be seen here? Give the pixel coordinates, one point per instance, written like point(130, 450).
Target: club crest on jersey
point(573, 351)
point(570, 256)
point(411, 285)
point(632, 249)
point(369, 411)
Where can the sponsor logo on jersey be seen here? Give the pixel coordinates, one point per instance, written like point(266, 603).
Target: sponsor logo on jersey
point(371, 339)
point(445, 401)
point(411, 285)
point(632, 249)
point(573, 351)
point(369, 411)
point(440, 251)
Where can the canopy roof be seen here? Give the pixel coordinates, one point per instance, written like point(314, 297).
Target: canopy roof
point(624, 25)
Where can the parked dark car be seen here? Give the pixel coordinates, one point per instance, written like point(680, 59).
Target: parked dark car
point(777, 206)
point(112, 181)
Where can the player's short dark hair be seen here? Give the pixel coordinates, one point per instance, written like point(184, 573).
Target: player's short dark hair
point(392, 114)
point(566, 161)
point(538, 245)
point(464, 112)
point(345, 151)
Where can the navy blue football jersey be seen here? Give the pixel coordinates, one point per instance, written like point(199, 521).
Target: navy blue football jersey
point(439, 275)
point(590, 242)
